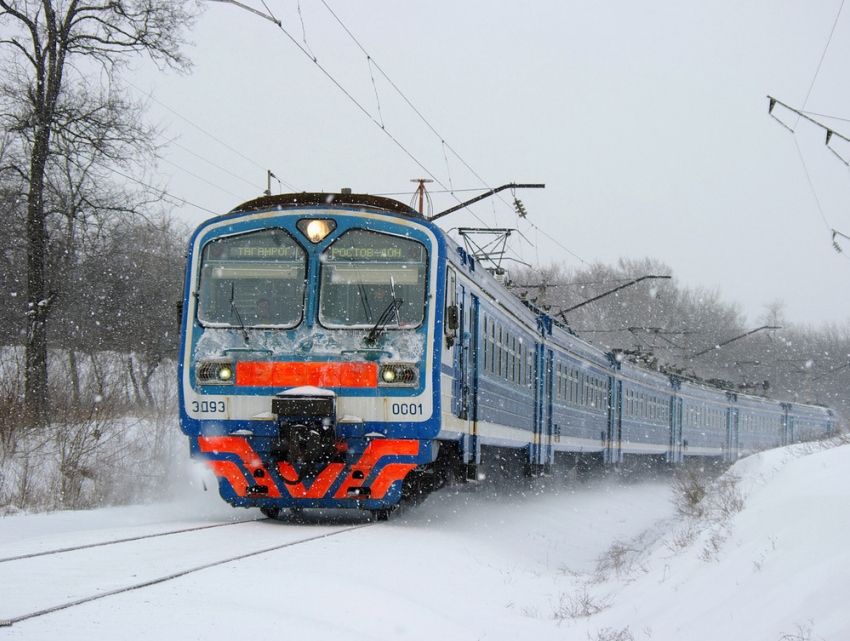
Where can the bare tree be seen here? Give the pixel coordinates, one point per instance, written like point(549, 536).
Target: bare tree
point(49, 105)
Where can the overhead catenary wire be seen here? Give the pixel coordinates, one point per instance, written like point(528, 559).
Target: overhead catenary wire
point(823, 55)
point(436, 133)
point(217, 166)
point(330, 77)
point(159, 190)
point(194, 175)
point(163, 191)
point(379, 121)
point(206, 133)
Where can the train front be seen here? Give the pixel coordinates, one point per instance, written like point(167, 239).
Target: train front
point(308, 352)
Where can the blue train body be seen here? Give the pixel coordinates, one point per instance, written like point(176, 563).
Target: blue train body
point(338, 350)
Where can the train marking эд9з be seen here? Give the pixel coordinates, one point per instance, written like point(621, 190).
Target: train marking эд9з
point(338, 351)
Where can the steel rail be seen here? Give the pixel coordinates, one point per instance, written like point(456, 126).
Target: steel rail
point(169, 577)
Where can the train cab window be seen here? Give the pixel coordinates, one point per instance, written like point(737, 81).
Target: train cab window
point(250, 280)
point(367, 275)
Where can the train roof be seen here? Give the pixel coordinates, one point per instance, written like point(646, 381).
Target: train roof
point(314, 199)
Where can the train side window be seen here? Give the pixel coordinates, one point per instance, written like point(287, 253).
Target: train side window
point(503, 356)
point(486, 342)
point(526, 366)
point(521, 363)
point(505, 353)
point(583, 390)
point(509, 346)
point(498, 352)
point(504, 343)
point(507, 359)
point(563, 386)
point(560, 380)
point(492, 345)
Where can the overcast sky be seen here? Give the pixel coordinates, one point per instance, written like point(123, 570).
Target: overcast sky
point(648, 122)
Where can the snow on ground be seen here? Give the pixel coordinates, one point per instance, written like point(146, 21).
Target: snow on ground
point(485, 565)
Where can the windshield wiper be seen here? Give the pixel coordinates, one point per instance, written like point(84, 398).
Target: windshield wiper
point(235, 312)
point(389, 312)
point(365, 301)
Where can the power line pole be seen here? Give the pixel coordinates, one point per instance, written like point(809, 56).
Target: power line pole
point(421, 191)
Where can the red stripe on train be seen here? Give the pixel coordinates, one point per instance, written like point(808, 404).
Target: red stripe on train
point(259, 374)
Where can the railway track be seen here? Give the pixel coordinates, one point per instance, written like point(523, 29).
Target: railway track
point(37, 584)
point(125, 540)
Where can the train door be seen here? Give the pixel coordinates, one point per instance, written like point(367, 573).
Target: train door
point(613, 439)
point(547, 457)
point(675, 455)
point(732, 420)
point(535, 457)
point(785, 423)
point(468, 370)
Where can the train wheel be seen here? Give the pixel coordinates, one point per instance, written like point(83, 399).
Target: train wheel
point(271, 512)
point(381, 515)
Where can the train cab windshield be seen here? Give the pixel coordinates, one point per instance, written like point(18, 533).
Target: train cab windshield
point(252, 279)
point(369, 278)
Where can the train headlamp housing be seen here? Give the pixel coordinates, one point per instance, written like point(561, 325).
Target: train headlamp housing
point(398, 375)
point(215, 373)
point(316, 229)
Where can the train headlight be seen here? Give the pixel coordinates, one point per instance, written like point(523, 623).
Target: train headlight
point(215, 373)
point(315, 229)
point(398, 375)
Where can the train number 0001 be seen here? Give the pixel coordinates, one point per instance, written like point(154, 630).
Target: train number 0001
point(213, 407)
point(407, 409)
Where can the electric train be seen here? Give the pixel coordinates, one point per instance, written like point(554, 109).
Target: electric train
point(340, 351)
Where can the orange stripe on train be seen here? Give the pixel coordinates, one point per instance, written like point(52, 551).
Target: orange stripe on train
point(240, 447)
point(392, 472)
point(318, 488)
point(374, 452)
point(230, 471)
point(258, 374)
